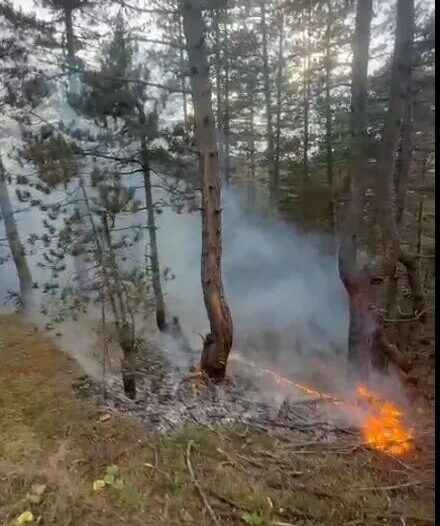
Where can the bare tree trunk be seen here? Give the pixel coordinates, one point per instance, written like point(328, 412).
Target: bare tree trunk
point(151, 224)
point(276, 176)
point(328, 118)
point(226, 117)
point(71, 56)
point(404, 163)
point(182, 67)
point(218, 342)
point(15, 244)
point(401, 75)
point(405, 159)
point(124, 328)
point(113, 266)
point(251, 145)
point(420, 211)
point(218, 88)
point(359, 341)
point(306, 95)
point(267, 98)
point(252, 140)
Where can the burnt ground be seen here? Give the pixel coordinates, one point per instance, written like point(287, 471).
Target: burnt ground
point(221, 456)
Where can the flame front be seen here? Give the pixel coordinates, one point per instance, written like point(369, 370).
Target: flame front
point(383, 428)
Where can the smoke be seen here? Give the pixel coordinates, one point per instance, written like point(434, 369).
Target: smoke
point(288, 306)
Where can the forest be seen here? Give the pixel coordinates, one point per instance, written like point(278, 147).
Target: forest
point(217, 239)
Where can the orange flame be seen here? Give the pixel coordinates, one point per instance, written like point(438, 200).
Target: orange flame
point(383, 428)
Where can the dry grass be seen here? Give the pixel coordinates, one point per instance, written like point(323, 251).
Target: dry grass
point(50, 437)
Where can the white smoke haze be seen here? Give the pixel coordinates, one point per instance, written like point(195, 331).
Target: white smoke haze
point(288, 305)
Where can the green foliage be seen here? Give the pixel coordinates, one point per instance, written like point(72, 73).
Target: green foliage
point(253, 519)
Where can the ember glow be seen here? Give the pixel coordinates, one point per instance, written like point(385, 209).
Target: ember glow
point(383, 428)
point(382, 421)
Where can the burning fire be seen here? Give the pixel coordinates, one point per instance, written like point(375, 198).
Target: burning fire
point(383, 427)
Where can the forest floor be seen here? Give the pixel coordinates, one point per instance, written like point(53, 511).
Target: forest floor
point(67, 464)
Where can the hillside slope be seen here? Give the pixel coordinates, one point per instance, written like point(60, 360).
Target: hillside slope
point(56, 449)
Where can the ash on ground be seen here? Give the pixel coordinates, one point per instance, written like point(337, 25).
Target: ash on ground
point(171, 396)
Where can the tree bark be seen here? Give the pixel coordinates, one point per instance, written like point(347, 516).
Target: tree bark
point(276, 176)
point(15, 244)
point(74, 80)
point(218, 343)
point(401, 75)
point(226, 116)
point(182, 67)
point(267, 99)
point(218, 83)
point(360, 330)
point(306, 95)
point(328, 118)
point(151, 224)
point(403, 169)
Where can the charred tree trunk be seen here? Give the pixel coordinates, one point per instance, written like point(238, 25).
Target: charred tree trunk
point(15, 244)
point(359, 341)
point(401, 75)
point(151, 224)
point(218, 342)
point(268, 102)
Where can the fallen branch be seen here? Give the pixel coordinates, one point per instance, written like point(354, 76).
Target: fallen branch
point(390, 488)
point(197, 485)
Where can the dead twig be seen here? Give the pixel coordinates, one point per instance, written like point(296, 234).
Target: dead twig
point(389, 488)
point(197, 485)
point(229, 502)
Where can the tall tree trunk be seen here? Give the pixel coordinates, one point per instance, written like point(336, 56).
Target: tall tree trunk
point(15, 244)
point(360, 331)
point(328, 117)
point(306, 94)
point(405, 158)
point(252, 138)
point(401, 75)
point(403, 169)
point(279, 98)
point(218, 85)
point(420, 211)
point(125, 329)
point(182, 66)
point(151, 224)
point(251, 186)
point(268, 101)
point(74, 81)
point(218, 342)
point(226, 116)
